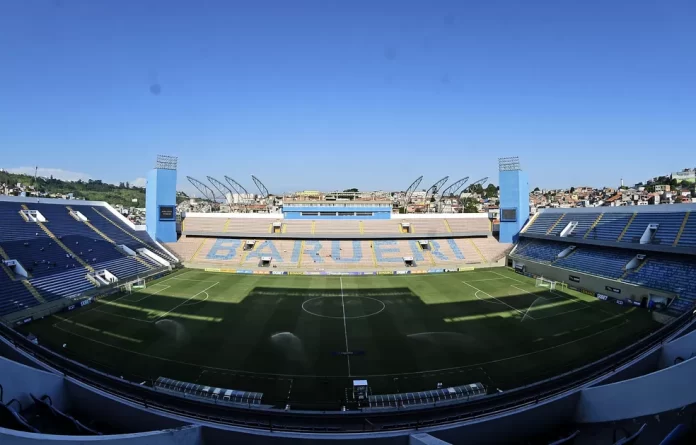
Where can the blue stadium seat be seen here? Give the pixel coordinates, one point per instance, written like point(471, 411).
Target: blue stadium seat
point(688, 236)
point(119, 232)
point(53, 271)
point(610, 227)
point(604, 263)
point(542, 251)
point(670, 274)
point(543, 223)
point(668, 227)
point(584, 220)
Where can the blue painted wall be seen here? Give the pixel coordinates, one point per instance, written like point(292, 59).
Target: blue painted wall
point(160, 191)
point(514, 194)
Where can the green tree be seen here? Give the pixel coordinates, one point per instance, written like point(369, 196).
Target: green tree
point(469, 205)
point(491, 191)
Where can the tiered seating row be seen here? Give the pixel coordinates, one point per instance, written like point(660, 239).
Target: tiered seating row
point(350, 254)
point(54, 272)
point(14, 296)
point(544, 252)
point(661, 272)
point(688, 236)
point(673, 273)
point(625, 227)
point(346, 227)
point(543, 223)
point(610, 264)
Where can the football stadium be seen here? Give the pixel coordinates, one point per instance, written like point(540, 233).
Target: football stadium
point(349, 317)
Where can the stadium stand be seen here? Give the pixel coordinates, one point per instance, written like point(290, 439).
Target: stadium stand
point(380, 227)
point(670, 274)
point(463, 225)
point(339, 227)
point(311, 254)
point(186, 248)
point(248, 226)
point(428, 226)
point(57, 251)
point(656, 268)
point(611, 227)
point(14, 295)
point(610, 264)
point(298, 226)
point(542, 223)
point(584, 223)
point(688, 234)
point(93, 247)
point(259, 226)
point(546, 252)
point(205, 225)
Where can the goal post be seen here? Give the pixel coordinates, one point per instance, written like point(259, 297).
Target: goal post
point(543, 282)
point(550, 284)
point(134, 286)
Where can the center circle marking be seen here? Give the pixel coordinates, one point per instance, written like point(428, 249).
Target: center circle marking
point(341, 317)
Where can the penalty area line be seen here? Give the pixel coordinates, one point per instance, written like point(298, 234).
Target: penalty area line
point(191, 298)
point(502, 302)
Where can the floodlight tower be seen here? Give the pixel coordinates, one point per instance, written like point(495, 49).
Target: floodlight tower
point(514, 198)
point(160, 199)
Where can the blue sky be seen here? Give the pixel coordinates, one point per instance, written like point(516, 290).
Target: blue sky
point(339, 94)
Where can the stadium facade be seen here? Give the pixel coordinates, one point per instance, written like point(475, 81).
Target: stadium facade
point(59, 256)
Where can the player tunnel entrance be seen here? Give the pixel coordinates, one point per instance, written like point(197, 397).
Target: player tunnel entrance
point(409, 261)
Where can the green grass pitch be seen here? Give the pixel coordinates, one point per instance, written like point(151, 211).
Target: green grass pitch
point(302, 339)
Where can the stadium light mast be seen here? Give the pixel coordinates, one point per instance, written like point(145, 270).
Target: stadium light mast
point(434, 189)
point(219, 186)
point(201, 187)
point(262, 188)
point(239, 188)
point(411, 188)
point(451, 190)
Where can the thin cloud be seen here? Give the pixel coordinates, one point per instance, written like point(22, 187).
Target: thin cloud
point(138, 182)
point(57, 173)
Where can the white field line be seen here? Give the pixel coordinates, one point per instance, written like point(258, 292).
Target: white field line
point(165, 287)
point(484, 279)
point(199, 301)
point(537, 295)
point(190, 298)
point(345, 329)
point(484, 293)
point(473, 365)
point(506, 277)
point(563, 313)
point(485, 300)
point(570, 297)
point(122, 316)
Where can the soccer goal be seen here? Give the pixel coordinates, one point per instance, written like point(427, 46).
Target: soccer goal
point(543, 282)
point(135, 286)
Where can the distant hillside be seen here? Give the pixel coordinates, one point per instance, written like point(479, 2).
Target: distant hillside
point(93, 190)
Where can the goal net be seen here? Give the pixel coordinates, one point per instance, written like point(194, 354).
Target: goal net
point(543, 282)
point(134, 286)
